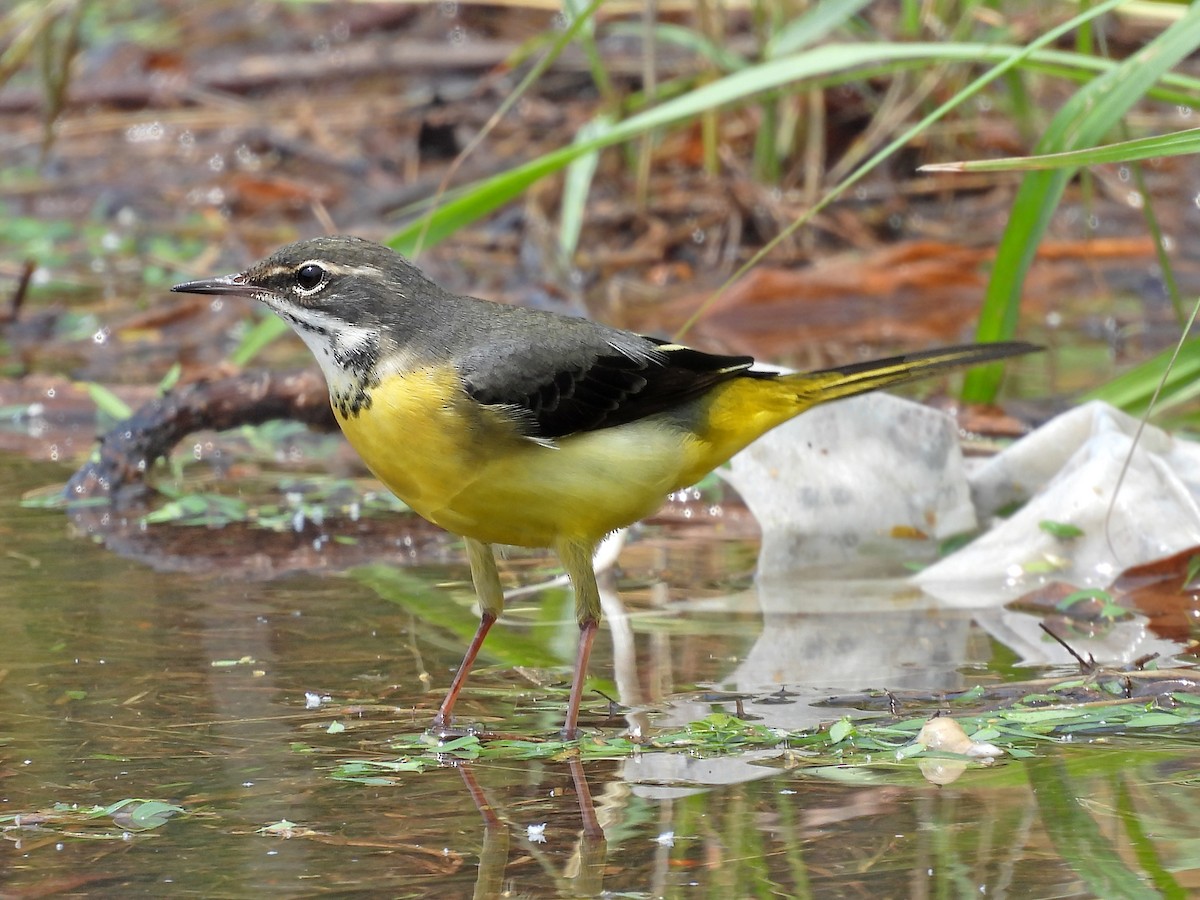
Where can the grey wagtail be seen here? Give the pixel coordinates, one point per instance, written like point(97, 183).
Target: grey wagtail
point(509, 425)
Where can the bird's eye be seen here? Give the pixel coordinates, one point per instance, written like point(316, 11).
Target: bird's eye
point(309, 276)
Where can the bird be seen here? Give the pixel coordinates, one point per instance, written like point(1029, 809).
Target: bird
point(508, 425)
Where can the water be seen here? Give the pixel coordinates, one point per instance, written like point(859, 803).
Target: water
point(135, 674)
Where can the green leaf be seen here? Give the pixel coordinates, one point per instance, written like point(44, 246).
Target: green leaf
point(1192, 572)
point(200, 509)
point(468, 743)
point(1154, 719)
point(841, 729)
point(170, 379)
point(1061, 530)
point(153, 813)
point(1082, 596)
point(108, 402)
point(138, 814)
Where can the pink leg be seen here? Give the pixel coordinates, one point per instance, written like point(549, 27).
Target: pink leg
point(587, 634)
point(445, 711)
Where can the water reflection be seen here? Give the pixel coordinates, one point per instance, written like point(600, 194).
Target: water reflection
point(582, 875)
point(125, 680)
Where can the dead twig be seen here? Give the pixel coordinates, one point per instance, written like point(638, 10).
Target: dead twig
point(19, 292)
point(1086, 666)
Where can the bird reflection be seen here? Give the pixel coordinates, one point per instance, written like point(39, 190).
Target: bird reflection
point(583, 877)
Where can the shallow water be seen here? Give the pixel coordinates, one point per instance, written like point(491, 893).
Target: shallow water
point(125, 680)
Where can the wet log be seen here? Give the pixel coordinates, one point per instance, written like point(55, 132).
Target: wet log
point(126, 452)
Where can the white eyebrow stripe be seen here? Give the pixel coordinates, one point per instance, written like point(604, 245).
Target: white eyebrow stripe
point(339, 269)
point(328, 265)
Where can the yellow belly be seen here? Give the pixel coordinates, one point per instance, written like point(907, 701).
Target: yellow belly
point(465, 468)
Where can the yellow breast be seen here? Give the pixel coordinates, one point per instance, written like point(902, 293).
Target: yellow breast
point(465, 468)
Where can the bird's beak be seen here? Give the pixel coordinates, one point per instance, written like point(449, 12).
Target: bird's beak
point(234, 285)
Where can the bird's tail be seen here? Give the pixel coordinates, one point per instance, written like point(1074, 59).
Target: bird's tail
point(741, 409)
point(859, 378)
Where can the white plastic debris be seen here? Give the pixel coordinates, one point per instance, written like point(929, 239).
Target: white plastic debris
point(1068, 471)
point(861, 478)
point(857, 478)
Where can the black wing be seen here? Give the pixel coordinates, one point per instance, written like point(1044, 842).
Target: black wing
point(599, 384)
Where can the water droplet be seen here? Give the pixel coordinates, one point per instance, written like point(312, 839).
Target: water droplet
point(247, 158)
point(144, 132)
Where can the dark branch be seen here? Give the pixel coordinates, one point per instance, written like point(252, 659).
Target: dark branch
point(126, 452)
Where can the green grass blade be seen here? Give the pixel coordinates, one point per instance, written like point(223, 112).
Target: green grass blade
point(1178, 143)
point(108, 403)
point(1084, 119)
point(687, 38)
point(1132, 390)
point(256, 337)
point(813, 25)
point(576, 187)
point(509, 646)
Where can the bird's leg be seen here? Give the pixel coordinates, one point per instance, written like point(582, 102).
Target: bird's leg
point(491, 603)
point(576, 557)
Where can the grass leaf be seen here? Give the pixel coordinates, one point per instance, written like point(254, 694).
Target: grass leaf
point(1083, 120)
